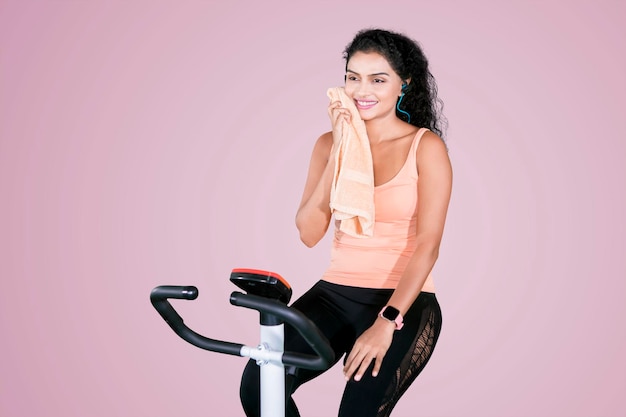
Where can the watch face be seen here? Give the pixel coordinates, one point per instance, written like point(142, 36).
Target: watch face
point(391, 313)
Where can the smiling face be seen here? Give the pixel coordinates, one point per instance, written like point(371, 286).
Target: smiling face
point(373, 85)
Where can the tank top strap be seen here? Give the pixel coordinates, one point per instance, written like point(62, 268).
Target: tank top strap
point(412, 159)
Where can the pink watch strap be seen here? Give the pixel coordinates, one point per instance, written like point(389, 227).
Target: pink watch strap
point(399, 319)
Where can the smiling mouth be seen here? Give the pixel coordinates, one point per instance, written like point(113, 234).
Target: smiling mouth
point(365, 104)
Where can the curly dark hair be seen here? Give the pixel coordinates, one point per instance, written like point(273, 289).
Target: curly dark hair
point(408, 61)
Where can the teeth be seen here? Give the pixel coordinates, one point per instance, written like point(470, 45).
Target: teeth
point(365, 103)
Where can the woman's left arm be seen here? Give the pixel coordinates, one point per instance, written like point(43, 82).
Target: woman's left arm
point(433, 190)
point(433, 196)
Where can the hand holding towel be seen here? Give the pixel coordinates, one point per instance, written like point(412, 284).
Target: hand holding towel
point(352, 190)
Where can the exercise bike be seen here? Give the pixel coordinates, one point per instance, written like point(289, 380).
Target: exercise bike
point(269, 294)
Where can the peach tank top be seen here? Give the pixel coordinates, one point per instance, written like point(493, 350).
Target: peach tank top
point(380, 260)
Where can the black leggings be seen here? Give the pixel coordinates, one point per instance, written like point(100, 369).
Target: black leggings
point(342, 314)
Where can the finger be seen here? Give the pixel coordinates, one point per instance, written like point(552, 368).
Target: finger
point(334, 112)
point(341, 117)
point(339, 110)
point(352, 364)
point(363, 368)
point(377, 364)
point(349, 361)
point(343, 113)
point(334, 105)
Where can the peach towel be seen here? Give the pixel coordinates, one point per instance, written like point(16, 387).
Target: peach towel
point(352, 190)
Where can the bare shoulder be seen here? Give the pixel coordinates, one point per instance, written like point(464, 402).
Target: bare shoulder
point(432, 151)
point(325, 140)
point(431, 142)
point(323, 145)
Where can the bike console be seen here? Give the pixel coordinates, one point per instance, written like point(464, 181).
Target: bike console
point(262, 283)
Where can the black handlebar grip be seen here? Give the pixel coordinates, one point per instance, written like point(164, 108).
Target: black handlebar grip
point(304, 326)
point(159, 299)
point(172, 291)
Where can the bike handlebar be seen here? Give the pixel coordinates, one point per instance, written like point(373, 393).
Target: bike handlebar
point(159, 299)
point(325, 355)
point(304, 326)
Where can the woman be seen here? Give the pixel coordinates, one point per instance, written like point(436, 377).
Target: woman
point(376, 302)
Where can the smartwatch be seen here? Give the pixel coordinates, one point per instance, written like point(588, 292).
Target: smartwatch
point(392, 314)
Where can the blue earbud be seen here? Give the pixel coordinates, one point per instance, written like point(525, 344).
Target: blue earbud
point(404, 87)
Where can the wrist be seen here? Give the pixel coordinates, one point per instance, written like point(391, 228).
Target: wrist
point(388, 326)
point(392, 315)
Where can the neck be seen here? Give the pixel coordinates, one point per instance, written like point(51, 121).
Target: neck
point(379, 130)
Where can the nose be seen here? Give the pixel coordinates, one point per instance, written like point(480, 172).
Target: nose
point(362, 89)
point(358, 90)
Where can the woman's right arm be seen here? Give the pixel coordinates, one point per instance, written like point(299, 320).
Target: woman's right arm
point(314, 215)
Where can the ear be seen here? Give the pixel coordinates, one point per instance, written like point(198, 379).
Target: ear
point(405, 85)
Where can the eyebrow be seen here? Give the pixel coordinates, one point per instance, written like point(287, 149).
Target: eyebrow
point(371, 75)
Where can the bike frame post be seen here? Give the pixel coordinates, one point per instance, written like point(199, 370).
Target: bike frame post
point(273, 373)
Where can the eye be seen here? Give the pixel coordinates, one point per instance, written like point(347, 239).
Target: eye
point(378, 80)
point(351, 78)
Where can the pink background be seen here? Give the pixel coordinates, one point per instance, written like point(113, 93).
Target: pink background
point(160, 142)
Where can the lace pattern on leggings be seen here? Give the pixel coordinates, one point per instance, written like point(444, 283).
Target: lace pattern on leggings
point(412, 364)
